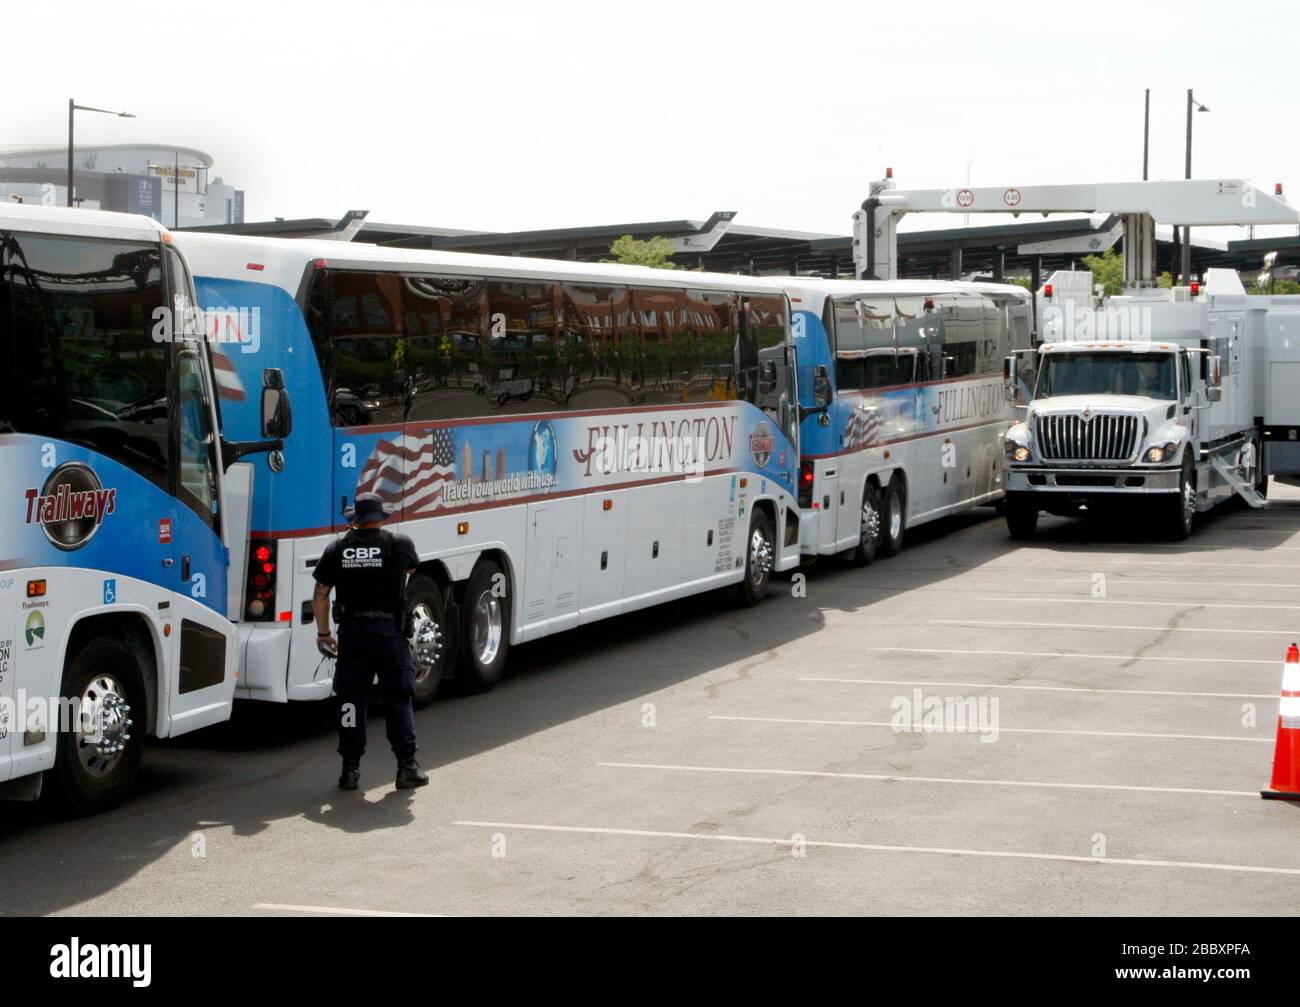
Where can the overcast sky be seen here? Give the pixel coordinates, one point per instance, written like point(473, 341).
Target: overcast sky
point(507, 115)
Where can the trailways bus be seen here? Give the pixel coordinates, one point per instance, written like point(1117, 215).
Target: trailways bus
point(563, 442)
point(116, 507)
point(912, 370)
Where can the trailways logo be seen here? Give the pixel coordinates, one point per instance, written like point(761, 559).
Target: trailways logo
point(71, 506)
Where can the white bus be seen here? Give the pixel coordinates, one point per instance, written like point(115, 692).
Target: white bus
point(563, 442)
point(115, 503)
point(914, 432)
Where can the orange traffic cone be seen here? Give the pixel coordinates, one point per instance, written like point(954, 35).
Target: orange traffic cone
point(1286, 756)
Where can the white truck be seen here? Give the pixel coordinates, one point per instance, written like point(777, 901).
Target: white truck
point(1176, 397)
point(1159, 396)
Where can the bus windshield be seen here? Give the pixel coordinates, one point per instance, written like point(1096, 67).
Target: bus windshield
point(1148, 374)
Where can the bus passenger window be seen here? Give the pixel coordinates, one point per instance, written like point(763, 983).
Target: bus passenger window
point(369, 381)
point(445, 319)
point(598, 342)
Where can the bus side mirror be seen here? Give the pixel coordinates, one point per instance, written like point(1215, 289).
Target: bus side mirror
point(277, 413)
point(822, 393)
point(1214, 378)
point(1009, 370)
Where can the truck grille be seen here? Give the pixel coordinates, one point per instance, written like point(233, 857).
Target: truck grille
point(1101, 438)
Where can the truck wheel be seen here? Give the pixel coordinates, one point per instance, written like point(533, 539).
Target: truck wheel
point(426, 623)
point(893, 519)
point(759, 556)
point(1022, 517)
point(97, 756)
point(1180, 510)
point(485, 628)
point(869, 527)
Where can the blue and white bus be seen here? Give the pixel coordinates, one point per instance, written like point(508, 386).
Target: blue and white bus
point(116, 506)
point(914, 431)
point(564, 442)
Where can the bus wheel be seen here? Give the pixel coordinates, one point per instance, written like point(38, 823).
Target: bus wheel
point(485, 628)
point(759, 556)
point(892, 519)
point(426, 624)
point(99, 752)
point(869, 527)
point(1022, 516)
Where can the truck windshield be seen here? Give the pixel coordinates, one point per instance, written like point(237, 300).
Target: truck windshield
point(1149, 374)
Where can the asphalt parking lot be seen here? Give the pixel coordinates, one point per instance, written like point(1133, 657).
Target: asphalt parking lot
point(1120, 698)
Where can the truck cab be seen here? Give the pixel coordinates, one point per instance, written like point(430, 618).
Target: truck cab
point(1140, 402)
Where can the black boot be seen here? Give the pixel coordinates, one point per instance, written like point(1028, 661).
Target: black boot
point(351, 775)
point(409, 774)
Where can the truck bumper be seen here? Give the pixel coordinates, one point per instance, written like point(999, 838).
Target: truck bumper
point(1083, 482)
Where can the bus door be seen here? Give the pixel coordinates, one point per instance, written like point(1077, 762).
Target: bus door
point(201, 638)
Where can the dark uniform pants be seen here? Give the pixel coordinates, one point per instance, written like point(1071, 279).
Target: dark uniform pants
point(370, 648)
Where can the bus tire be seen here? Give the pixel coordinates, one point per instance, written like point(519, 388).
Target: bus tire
point(485, 628)
point(893, 519)
point(1178, 512)
point(760, 552)
point(868, 527)
point(1022, 516)
point(93, 776)
point(427, 633)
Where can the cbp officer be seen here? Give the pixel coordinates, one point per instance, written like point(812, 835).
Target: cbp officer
point(368, 567)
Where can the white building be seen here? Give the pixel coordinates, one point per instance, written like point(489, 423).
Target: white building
point(172, 184)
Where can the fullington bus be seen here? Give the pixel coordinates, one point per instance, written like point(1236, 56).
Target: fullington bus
point(912, 370)
point(564, 442)
point(116, 506)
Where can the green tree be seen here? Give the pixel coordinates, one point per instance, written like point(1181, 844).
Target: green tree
point(1107, 270)
point(657, 252)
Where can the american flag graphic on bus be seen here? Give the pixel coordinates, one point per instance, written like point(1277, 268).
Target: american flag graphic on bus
point(226, 379)
point(863, 428)
point(417, 466)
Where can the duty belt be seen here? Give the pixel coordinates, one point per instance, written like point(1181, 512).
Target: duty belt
point(371, 615)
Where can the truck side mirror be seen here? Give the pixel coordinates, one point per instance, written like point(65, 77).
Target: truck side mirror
point(277, 413)
point(1009, 370)
point(822, 393)
point(1214, 378)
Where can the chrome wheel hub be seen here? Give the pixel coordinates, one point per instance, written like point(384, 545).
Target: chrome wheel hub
point(103, 725)
point(1189, 503)
point(426, 642)
point(895, 523)
point(487, 628)
point(870, 522)
point(760, 556)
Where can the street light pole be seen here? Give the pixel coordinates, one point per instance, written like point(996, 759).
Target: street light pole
point(73, 109)
point(1187, 173)
point(1146, 136)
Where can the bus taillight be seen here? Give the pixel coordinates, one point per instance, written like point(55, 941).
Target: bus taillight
point(259, 605)
point(805, 484)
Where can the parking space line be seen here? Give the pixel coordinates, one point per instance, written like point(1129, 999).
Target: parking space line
point(1083, 625)
point(333, 911)
point(1143, 602)
point(1043, 688)
point(1000, 730)
point(1058, 653)
point(957, 781)
point(878, 847)
point(1142, 562)
point(1117, 579)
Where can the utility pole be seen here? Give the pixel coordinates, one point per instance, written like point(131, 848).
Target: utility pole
point(73, 109)
point(1187, 173)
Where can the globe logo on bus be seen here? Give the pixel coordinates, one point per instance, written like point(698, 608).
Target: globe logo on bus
point(542, 449)
point(761, 443)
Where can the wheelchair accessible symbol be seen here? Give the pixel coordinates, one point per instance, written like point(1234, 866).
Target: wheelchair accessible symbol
point(110, 591)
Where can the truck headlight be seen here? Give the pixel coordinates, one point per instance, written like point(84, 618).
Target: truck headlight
point(1021, 454)
point(1162, 452)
